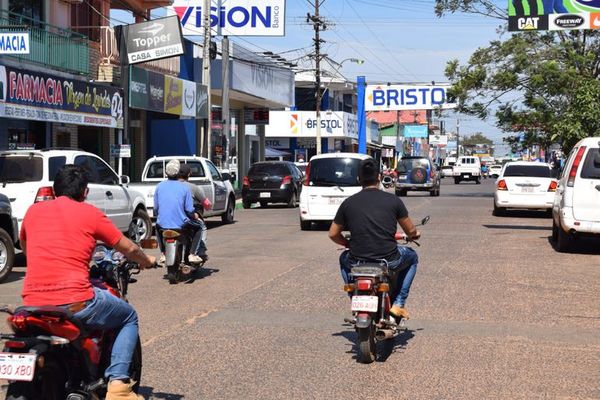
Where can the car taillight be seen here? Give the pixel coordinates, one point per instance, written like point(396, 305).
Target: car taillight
point(307, 175)
point(364, 284)
point(553, 186)
point(246, 181)
point(44, 193)
point(286, 180)
point(573, 172)
point(502, 185)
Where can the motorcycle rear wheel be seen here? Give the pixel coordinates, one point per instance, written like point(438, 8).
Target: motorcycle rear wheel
point(48, 384)
point(367, 350)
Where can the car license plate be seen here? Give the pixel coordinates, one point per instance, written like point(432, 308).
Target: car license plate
point(335, 201)
point(265, 195)
point(17, 367)
point(527, 189)
point(465, 176)
point(365, 303)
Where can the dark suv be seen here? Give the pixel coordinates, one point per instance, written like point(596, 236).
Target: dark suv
point(272, 182)
point(419, 174)
point(8, 237)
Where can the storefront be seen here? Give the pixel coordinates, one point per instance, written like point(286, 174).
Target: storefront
point(40, 110)
point(298, 131)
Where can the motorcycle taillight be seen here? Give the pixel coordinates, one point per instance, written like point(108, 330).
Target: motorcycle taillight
point(364, 284)
point(18, 322)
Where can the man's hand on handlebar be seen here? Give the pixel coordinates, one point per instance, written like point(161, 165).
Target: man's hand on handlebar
point(150, 262)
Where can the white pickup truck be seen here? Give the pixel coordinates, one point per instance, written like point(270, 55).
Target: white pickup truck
point(216, 186)
point(467, 168)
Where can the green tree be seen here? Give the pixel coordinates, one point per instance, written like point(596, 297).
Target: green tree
point(475, 139)
point(544, 84)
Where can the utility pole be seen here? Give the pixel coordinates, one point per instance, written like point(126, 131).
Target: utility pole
point(457, 138)
point(225, 98)
point(206, 134)
point(317, 22)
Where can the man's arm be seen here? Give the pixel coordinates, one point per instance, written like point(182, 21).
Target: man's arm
point(23, 244)
point(133, 252)
point(409, 228)
point(335, 234)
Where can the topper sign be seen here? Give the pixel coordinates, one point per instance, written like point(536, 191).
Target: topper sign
point(406, 97)
point(232, 17)
point(151, 40)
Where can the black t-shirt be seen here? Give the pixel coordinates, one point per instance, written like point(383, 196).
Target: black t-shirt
point(371, 216)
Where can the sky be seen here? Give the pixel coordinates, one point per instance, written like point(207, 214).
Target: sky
point(401, 41)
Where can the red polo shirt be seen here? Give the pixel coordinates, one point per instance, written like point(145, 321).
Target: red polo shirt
point(60, 237)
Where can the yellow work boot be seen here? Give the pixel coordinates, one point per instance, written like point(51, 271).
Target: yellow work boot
point(119, 390)
point(399, 312)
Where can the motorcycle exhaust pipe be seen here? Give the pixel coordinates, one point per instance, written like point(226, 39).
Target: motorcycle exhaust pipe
point(384, 334)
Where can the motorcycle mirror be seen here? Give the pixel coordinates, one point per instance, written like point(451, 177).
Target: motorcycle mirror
point(425, 220)
point(148, 244)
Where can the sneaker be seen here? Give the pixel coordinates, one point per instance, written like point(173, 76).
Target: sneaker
point(194, 259)
point(204, 257)
point(399, 312)
point(162, 259)
point(119, 390)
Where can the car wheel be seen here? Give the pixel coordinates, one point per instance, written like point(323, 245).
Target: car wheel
point(263, 204)
point(432, 193)
point(554, 231)
point(401, 192)
point(498, 211)
point(246, 204)
point(305, 225)
point(456, 181)
point(292, 203)
point(478, 181)
point(563, 241)
point(227, 216)
point(7, 254)
point(140, 227)
point(437, 192)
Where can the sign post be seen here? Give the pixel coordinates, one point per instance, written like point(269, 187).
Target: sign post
point(362, 115)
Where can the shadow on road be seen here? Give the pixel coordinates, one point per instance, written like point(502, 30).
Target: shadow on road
point(15, 276)
point(213, 224)
point(149, 393)
point(463, 195)
point(384, 348)
point(200, 274)
point(582, 245)
point(519, 227)
point(525, 214)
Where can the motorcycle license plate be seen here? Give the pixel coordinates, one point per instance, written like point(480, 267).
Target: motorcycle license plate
point(17, 367)
point(365, 303)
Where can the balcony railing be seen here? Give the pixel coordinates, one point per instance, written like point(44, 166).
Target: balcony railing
point(50, 45)
point(109, 55)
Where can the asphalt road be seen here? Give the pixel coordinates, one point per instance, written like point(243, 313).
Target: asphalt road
point(496, 313)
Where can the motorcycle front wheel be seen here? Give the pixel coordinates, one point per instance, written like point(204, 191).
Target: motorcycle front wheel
point(367, 351)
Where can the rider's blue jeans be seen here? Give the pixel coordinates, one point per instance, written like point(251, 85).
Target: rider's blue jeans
point(406, 265)
point(108, 312)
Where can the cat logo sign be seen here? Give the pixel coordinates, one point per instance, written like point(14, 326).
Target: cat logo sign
point(528, 23)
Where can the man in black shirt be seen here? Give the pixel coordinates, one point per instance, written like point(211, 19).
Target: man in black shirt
point(371, 216)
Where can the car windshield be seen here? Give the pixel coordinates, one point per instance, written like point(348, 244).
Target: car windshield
point(156, 170)
point(591, 166)
point(21, 168)
point(334, 172)
point(408, 164)
point(269, 170)
point(533, 171)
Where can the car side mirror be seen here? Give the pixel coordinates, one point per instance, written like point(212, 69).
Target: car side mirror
point(124, 180)
point(225, 176)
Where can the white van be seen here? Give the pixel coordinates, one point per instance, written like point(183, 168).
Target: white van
point(576, 207)
point(330, 179)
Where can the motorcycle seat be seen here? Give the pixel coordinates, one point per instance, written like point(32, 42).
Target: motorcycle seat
point(370, 269)
point(51, 311)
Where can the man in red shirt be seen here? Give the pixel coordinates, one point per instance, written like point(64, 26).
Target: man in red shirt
point(58, 237)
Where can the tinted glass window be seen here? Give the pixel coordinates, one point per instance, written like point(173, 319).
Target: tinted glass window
point(21, 168)
point(214, 172)
point(269, 170)
point(54, 164)
point(99, 172)
point(408, 164)
point(534, 171)
point(591, 166)
point(156, 170)
point(197, 169)
point(334, 172)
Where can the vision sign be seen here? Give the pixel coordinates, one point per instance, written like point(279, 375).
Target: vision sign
point(407, 97)
point(232, 17)
point(152, 40)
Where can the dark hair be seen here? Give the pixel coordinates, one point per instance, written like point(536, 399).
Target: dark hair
point(184, 171)
point(368, 172)
point(71, 181)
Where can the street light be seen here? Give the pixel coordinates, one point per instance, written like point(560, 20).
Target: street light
point(320, 96)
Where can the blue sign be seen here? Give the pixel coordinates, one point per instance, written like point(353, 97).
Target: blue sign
point(415, 131)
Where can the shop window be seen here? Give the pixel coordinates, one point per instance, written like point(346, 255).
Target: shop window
point(63, 139)
point(31, 10)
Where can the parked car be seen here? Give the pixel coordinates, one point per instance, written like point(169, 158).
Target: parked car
point(272, 182)
point(576, 210)
point(8, 237)
point(495, 170)
point(446, 171)
point(215, 185)
point(330, 179)
point(27, 177)
point(302, 167)
point(524, 185)
point(467, 168)
point(417, 173)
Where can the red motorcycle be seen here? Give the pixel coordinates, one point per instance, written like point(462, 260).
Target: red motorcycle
point(372, 291)
point(51, 356)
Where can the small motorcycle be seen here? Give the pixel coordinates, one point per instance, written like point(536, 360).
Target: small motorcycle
point(177, 250)
point(387, 181)
point(51, 356)
point(373, 288)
